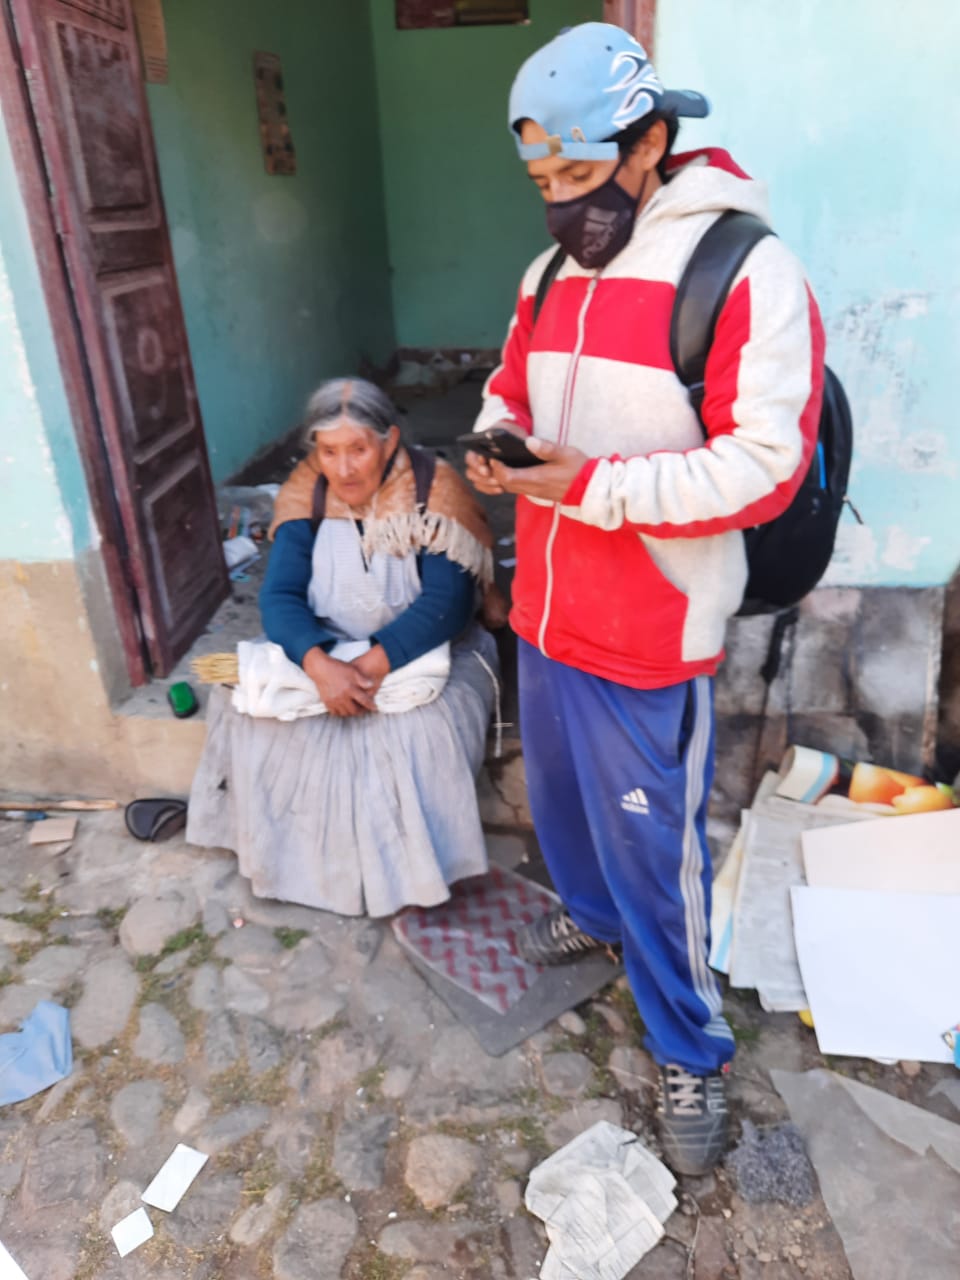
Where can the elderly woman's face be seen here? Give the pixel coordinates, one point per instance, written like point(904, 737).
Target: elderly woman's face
point(352, 458)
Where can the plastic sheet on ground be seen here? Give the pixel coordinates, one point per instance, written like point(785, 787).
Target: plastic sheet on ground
point(36, 1056)
point(889, 1173)
point(604, 1199)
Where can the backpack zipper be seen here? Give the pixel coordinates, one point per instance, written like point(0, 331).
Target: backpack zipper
point(566, 406)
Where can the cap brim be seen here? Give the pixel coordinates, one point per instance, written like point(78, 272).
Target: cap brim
point(684, 102)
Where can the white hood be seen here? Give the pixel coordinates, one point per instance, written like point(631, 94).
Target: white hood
point(707, 182)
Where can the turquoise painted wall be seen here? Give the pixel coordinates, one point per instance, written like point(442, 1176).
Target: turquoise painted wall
point(43, 494)
point(843, 109)
point(284, 280)
point(463, 219)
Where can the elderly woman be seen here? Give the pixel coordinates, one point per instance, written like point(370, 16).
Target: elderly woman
point(352, 809)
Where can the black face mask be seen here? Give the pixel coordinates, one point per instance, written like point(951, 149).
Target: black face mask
point(595, 227)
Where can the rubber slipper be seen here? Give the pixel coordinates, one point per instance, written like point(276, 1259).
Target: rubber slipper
point(155, 819)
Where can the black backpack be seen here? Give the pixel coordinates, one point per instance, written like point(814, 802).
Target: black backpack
point(788, 556)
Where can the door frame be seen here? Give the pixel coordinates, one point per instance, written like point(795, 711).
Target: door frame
point(639, 17)
point(61, 308)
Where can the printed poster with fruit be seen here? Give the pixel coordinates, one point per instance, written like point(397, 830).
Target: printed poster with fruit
point(817, 777)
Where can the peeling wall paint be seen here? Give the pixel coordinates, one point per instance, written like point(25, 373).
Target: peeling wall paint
point(43, 496)
point(842, 110)
point(34, 525)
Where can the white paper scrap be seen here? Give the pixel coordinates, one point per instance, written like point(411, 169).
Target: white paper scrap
point(132, 1231)
point(8, 1268)
point(168, 1187)
point(603, 1198)
point(880, 970)
point(240, 551)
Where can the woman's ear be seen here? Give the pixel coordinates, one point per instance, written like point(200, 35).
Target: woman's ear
point(393, 438)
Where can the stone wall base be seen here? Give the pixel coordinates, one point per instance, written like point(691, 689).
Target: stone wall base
point(858, 677)
point(59, 733)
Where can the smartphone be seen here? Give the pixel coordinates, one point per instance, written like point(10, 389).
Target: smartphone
point(501, 445)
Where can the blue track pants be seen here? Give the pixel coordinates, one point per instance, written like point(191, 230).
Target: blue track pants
point(618, 781)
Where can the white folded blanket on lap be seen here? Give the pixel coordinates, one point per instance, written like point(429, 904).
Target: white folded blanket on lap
point(273, 687)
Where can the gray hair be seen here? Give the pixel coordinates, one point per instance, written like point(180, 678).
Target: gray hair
point(353, 398)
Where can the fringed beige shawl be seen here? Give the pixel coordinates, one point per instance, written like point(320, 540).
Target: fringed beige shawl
point(454, 524)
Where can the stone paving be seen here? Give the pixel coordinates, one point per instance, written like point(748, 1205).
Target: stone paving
point(354, 1127)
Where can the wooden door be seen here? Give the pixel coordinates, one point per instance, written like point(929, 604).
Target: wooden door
point(83, 69)
point(636, 16)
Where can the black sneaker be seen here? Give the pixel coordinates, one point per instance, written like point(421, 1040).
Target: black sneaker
point(693, 1119)
point(555, 939)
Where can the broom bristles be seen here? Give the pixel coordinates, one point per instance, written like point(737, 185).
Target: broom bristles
point(217, 668)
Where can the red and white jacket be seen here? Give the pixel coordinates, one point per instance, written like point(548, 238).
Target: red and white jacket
point(634, 575)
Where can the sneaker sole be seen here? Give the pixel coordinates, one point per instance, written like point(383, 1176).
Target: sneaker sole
point(552, 961)
point(689, 1157)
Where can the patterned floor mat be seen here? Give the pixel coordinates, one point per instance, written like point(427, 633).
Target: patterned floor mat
point(466, 950)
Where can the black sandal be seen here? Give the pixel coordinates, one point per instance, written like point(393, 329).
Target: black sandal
point(155, 819)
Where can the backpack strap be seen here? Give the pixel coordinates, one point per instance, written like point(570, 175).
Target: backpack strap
point(319, 503)
point(424, 467)
point(550, 273)
point(703, 290)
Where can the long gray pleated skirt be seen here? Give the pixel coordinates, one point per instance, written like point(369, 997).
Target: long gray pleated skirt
point(368, 814)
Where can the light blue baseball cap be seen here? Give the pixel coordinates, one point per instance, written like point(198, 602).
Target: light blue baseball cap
point(588, 84)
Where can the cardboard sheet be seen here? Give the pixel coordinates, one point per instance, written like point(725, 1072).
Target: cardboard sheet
point(880, 970)
point(915, 854)
point(53, 831)
point(762, 952)
point(724, 896)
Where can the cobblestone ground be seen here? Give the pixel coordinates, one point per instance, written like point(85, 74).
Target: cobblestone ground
point(354, 1127)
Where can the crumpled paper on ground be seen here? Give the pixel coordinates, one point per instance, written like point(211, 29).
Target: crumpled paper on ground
point(36, 1056)
point(604, 1199)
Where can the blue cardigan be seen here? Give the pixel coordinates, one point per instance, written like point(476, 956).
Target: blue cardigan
point(440, 612)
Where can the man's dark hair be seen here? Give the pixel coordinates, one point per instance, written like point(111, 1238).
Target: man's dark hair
point(630, 136)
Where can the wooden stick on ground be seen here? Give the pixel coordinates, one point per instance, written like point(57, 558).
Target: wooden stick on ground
point(57, 806)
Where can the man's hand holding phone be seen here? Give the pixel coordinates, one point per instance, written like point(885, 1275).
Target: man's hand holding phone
point(484, 448)
point(550, 472)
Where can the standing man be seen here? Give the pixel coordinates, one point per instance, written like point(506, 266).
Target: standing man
point(629, 544)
